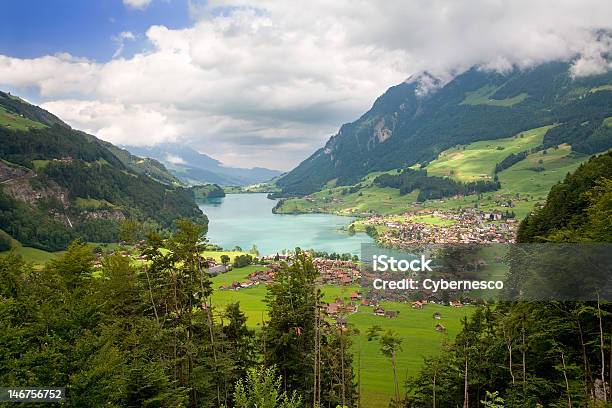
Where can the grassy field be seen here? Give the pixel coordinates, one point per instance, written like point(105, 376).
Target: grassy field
point(39, 257)
point(525, 183)
point(539, 171)
point(483, 95)
point(416, 327)
point(476, 161)
point(420, 339)
point(16, 122)
point(433, 220)
point(370, 199)
point(36, 256)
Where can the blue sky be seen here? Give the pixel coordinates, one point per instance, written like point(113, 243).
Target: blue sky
point(83, 28)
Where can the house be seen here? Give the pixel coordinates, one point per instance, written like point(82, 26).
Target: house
point(218, 269)
point(417, 305)
point(437, 316)
point(332, 309)
point(346, 280)
point(365, 302)
point(440, 327)
point(379, 311)
point(391, 314)
point(355, 296)
point(456, 303)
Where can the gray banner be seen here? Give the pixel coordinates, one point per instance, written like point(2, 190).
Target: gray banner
point(477, 272)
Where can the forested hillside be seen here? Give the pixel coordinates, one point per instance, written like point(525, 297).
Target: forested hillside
point(527, 354)
point(57, 184)
point(579, 209)
point(406, 126)
point(133, 334)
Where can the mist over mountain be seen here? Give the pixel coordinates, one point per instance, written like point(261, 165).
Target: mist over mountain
point(416, 120)
point(193, 167)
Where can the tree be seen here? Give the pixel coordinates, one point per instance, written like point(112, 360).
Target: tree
point(390, 344)
point(262, 389)
point(242, 260)
point(493, 400)
point(225, 260)
point(239, 342)
point(5, 241)
point(129, 231)
point(291, 300)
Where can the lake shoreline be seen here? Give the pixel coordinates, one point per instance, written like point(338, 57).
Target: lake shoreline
point(246, 219)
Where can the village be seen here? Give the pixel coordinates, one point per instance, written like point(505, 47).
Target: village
point(466, 226)
point(346, 274)
point(332, 272)
point(354, 275)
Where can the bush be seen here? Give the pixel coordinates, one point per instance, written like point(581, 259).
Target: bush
point(242, 260)
point(5, 241)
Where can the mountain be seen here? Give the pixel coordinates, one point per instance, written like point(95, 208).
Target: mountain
point(409, 125)
point(194, 167)
point(58, 184)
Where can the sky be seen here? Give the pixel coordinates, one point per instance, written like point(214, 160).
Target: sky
point(265, 83)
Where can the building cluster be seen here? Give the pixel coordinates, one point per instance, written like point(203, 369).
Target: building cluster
point(254, 279)
point(339, 307)
point(336, 272)
point(332, 272)
point(465, 227)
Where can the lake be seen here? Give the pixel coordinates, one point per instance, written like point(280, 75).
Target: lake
point(247, 219)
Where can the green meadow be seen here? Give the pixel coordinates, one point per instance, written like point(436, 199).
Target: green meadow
point(16, 122)
point(416, 326)
point(539, 171)
point(476, 161)
point(370, 199)
point(483, 95)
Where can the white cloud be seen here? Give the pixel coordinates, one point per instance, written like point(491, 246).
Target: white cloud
point(266, 82)
point(137, 4)
point(120, 40)
point(171, 158)
point(594, 58)
point(115, 122)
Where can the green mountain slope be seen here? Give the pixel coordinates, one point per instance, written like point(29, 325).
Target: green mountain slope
point(57, 184)
point(404, 128)
point(521, 182)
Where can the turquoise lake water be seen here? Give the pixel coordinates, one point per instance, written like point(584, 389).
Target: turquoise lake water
point(247, 219)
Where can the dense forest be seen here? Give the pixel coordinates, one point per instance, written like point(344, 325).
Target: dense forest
point(432, 187)
point(207, 191)
point(134, 336)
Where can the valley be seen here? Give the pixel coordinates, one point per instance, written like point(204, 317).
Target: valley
point(482, 160)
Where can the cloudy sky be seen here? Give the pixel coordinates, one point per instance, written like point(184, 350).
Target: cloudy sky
point(265, 83)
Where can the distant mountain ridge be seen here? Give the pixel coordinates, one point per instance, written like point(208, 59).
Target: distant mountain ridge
point(406, 125)
point(193, 167)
